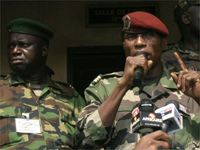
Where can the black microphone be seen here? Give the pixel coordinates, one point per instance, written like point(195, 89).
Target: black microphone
point(144, 120)
point(139, 71)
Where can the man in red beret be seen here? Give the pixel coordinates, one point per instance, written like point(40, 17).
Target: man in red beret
point(108, 121)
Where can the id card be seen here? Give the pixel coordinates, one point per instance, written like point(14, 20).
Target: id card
point(27, 125)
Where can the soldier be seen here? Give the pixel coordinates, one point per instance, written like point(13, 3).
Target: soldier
point(186, 16)
point(36, 111)
point(105, 121)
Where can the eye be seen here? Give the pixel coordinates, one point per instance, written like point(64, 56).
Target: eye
point(132, 36)
point(23, 45)
point(11, 46)
point(148, 34)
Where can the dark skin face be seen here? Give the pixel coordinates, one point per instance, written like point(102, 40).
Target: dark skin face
point(189, 27)
point(194, 12)
point(151, 43)
point(27, 54)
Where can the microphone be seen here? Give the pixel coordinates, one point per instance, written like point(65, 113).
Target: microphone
point(139, 71)
point(181, 108)
point(172, 120)
point(144, 120)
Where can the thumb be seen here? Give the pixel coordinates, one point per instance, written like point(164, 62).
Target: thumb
point(150, 63)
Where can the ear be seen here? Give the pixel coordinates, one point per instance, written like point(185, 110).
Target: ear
point(164, 43)
point(45, 50)
point(186, 18)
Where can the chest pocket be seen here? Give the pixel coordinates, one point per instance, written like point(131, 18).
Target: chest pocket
point(8, 128)
point(68, 118)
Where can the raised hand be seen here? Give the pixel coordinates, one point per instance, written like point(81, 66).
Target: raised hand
point(188, 81)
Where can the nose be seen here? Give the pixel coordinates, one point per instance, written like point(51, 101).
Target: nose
point(16, 51)
point(140, 42)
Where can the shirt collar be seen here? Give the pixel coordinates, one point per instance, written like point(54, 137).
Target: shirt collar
point(166, 80)
point(15, 79)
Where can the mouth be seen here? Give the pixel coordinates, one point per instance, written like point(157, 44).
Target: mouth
point(16, 61)
point(147, 55)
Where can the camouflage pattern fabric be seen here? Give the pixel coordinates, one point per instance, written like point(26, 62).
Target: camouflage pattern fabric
point(57, 109)
point(190, 57)
point(91, 134)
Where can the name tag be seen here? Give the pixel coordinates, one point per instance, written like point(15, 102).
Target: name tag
point(27, 125)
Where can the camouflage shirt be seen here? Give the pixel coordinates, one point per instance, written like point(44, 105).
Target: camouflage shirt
point(190, 57)
point(57, 109)
point(91, 133)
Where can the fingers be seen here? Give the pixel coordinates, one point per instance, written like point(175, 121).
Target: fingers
point(157, 135)
point(154, 140)
point(175, 78)
point(162, 139)
point(180, 62)
point(180, 80)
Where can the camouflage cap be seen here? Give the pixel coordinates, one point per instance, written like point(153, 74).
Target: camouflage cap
point(183, 6)
point(31, 27)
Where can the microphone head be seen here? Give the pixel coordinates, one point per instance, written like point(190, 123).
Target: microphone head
point(180, 107)
point(147, 105)
point(142, 53)
point(176, 104)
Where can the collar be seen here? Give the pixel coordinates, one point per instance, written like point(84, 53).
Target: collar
point(166, 80)
point(165, 84)
point(15, 79)
point(183, 49)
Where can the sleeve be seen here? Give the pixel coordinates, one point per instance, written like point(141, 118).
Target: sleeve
point(90, 132)
point(80, 103)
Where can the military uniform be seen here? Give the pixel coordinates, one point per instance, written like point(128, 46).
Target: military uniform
point(190, 57)
point(56, 109)
point(92, 134)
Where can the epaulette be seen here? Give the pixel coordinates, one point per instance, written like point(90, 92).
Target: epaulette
point(105, 76)
point(96, 80)
point(65, 84)
point(67, 89)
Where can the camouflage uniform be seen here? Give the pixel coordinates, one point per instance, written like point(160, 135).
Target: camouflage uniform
point(57, 109)
point(91, 133)
point(191, 58)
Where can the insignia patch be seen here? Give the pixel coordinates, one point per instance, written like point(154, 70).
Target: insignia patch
point(127, 22)
point(96, 80)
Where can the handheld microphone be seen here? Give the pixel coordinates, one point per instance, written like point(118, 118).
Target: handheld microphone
point(172, 120)
point(144, 120)
point(139, 71)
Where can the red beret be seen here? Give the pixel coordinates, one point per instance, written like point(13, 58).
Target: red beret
point(142, 21)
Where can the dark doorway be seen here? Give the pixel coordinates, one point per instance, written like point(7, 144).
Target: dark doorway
point(85, 63)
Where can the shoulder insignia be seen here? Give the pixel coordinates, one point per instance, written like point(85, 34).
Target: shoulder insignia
point(66, 89)
point(96, 80)
point(65, 84)
point(105, 76)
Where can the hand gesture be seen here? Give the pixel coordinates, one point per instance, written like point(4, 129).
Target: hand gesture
point(188, 81)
